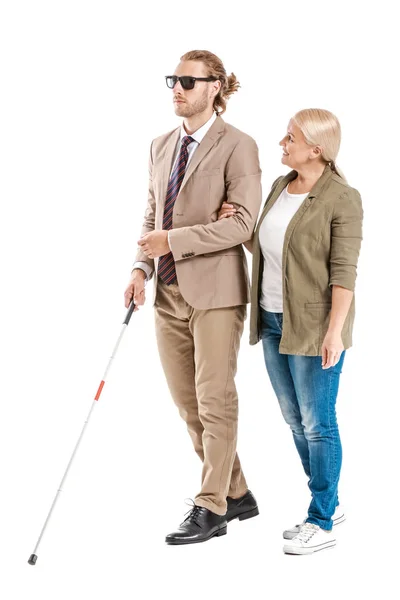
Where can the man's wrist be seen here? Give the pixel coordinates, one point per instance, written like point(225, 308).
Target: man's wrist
point(138, 272)
point(146, 268)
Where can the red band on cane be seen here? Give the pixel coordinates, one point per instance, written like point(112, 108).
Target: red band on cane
point(97, 396)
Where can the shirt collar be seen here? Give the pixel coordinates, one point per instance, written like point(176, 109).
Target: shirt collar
point(200, 133)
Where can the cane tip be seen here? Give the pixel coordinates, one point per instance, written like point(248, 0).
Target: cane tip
point(32, 560)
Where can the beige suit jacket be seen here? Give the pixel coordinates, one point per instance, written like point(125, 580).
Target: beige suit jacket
point(211, 266)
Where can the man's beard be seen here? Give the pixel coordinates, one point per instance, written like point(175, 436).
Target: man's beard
point(188, 110)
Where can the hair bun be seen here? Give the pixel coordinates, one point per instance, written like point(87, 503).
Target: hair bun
point(232, 85)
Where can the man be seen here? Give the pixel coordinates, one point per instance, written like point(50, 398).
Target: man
point(201, 285)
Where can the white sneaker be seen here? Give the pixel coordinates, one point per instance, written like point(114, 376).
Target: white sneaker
point(311, 538)
point(338, 517)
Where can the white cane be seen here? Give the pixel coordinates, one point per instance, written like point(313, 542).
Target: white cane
point(33, 558)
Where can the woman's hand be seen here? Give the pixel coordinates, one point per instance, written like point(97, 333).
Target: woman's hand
point(332, 348)
point(226, 210)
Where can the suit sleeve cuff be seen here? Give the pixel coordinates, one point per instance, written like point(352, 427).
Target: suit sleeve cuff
point(145, 267)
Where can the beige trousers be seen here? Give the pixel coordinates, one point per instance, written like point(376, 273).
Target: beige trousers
point(198, 351)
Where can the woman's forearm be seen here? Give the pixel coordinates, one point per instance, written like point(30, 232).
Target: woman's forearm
point(341, 301)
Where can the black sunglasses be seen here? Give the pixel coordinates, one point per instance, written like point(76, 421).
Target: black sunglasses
point(186, 81)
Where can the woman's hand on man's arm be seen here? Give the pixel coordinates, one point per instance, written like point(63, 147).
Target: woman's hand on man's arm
point(228, 210)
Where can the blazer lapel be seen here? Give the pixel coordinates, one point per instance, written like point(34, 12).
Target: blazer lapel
point(314, 192)
point(272, 198)
point(274, 195)
point(167, 162)
point(308, 200)
point(205, 146)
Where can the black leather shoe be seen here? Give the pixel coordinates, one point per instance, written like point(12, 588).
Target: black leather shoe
point(242, 508)
point(199, 526)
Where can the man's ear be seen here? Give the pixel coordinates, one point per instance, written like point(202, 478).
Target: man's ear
point(216, 87)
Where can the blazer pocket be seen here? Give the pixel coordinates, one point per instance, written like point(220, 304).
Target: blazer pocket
point(207, 172)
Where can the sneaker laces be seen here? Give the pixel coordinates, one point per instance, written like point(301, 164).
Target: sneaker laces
point(307, 530)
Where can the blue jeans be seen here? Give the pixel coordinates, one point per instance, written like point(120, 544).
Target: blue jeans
point(307, 397)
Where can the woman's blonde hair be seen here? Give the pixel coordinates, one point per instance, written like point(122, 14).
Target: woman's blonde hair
point(215, 68)
point(321, 128)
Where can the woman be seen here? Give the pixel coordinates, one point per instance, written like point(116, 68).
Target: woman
point(305, 251)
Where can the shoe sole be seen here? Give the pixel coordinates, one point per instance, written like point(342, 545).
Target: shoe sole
point(246, 515)
point(302, 551)
point(290, 536)
point(219, 532)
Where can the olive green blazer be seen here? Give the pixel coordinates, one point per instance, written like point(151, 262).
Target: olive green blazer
point(321, 248)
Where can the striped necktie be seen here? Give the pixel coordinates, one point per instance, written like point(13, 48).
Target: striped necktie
point(166, 263)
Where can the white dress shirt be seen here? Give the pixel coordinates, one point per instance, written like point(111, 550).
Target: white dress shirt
point(192, 147)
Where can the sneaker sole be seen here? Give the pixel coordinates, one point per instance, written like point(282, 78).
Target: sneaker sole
point(218, 533)
point(290, 536)
point(339, 520)
point(294, 550)
point(246, 515)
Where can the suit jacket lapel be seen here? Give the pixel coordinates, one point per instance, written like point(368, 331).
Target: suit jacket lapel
point(205, 146)
point(167, 161)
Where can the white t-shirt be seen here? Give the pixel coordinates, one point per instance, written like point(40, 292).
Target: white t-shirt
point(271, 236)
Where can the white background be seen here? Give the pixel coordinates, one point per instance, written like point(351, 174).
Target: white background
point(83, 95)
